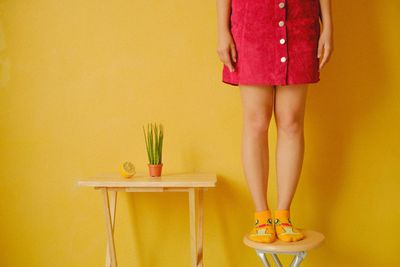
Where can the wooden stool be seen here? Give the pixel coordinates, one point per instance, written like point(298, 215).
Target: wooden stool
point(299, 248)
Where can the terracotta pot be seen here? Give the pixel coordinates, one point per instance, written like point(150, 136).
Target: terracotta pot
point(155, 169)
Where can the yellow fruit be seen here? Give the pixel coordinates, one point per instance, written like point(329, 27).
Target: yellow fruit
point(127, 169)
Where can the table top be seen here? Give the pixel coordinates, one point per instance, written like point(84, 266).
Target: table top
point(200, 179)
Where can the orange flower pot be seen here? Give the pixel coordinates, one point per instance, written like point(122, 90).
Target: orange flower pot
point(155, 169)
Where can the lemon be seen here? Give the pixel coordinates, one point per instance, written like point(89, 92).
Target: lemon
point(127, 169)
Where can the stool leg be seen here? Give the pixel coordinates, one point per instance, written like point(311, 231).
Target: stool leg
point(276, 259)
point(262, 257)
point(298, 259)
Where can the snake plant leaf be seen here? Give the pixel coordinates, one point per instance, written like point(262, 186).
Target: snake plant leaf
point(146, 141)
point(161, 142)
point(150, 138)
point(156, 144)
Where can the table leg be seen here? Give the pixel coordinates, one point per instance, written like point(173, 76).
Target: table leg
point(113, 204)
point(192, 223)
point(200, 228)
point(109, 213)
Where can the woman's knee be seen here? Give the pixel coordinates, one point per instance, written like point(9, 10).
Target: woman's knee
point(291, 123)
point(257, 122)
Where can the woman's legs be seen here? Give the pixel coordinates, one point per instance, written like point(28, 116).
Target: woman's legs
point(257, 102)
point(289, 111)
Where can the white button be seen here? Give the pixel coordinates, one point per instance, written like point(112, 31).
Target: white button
point(282, 41)
point(281, 23)
point(281, 5)
point(283, 59)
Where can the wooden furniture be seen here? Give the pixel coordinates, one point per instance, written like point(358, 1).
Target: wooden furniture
point(299, 248)
point(193, 183)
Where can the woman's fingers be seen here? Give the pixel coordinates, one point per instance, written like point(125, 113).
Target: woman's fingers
point(322, 62)
point(233, 53)
point(227, 55)
point(327, 53)
point(320, 45)
point(226, 59)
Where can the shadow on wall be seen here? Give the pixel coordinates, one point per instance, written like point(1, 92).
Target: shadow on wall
point(352, 88)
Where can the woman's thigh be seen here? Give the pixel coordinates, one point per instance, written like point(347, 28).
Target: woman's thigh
point(257, 102)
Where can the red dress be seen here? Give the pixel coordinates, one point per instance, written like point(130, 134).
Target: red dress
point(276, 42)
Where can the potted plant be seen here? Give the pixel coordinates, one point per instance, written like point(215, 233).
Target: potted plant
point(154, 143)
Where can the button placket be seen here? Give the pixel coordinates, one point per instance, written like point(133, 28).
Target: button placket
point(281, 41)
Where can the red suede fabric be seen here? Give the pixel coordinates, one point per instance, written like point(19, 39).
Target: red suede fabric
point(257, 35)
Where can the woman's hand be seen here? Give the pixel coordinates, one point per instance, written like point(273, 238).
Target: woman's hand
point(326, 43)
point(227, 50)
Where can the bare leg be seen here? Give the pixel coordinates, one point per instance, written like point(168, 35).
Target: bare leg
point(257, 104)
point(289, 116)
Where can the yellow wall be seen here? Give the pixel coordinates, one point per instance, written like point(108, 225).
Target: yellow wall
point(78, 79)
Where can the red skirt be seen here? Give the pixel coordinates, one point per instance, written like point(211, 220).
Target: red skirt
point(276, 42)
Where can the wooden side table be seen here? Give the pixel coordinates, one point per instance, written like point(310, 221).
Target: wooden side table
point(193, 183)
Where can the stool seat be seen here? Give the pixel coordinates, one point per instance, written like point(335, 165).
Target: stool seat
point(312, 239)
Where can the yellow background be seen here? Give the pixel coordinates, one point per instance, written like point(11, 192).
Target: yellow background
point(78, 79)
